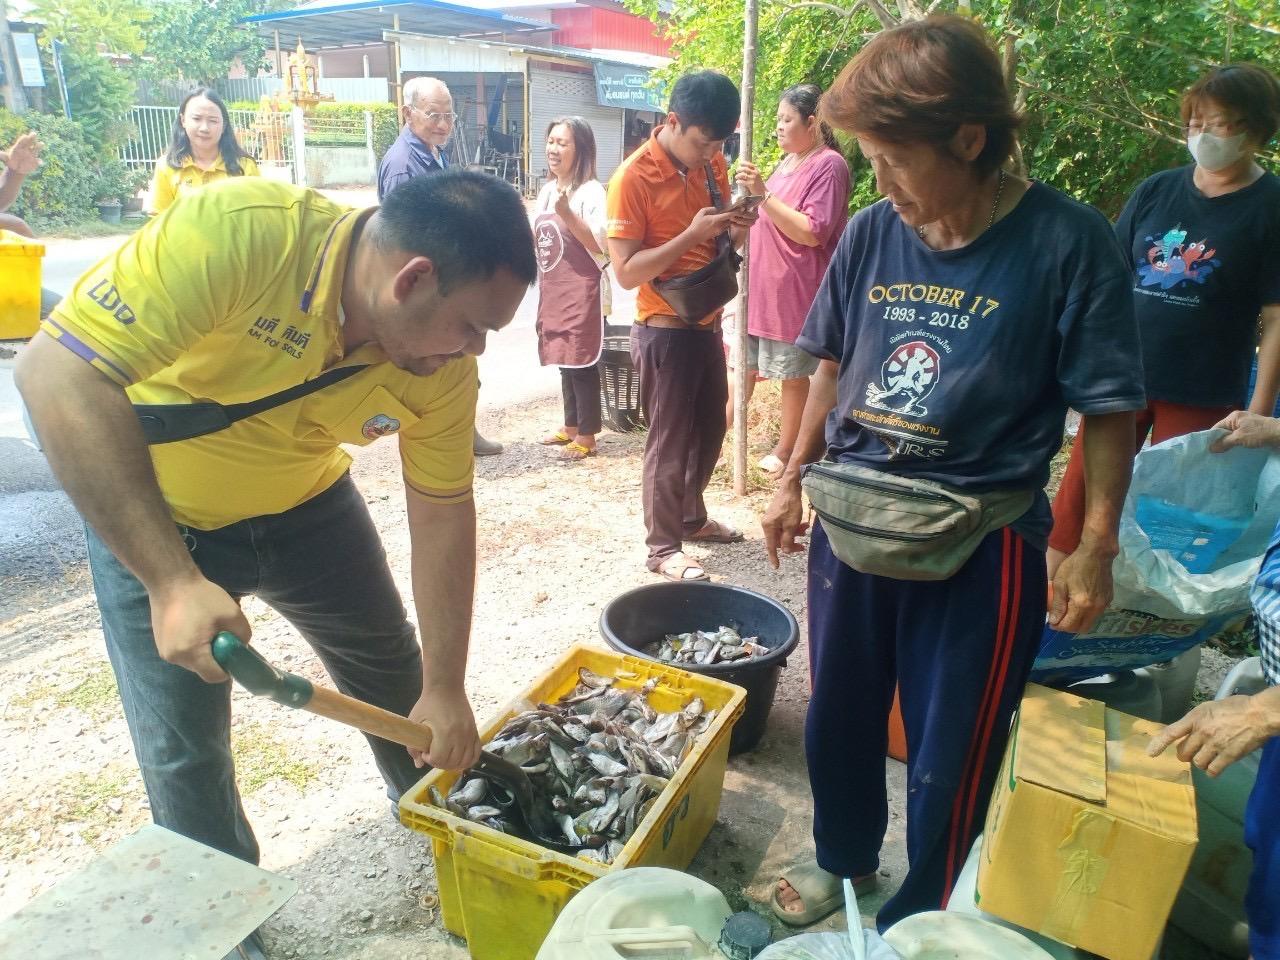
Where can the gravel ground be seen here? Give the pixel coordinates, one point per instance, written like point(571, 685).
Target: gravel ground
point(556, 542)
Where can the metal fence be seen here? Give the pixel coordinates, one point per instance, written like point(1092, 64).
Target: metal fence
point(267, 135)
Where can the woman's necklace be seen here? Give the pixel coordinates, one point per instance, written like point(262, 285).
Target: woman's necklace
point(991, 218)
point(794, 160)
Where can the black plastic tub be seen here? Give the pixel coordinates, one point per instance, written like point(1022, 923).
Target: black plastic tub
point(637, 618)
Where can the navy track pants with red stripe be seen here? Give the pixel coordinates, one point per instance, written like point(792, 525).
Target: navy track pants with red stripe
point(960, 651)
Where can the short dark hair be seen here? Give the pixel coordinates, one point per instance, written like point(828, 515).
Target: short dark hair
point(708, 100)
point(228, 145)
point(1249, 90)
point(469, 224)
point(584, 148)
point(920, 82)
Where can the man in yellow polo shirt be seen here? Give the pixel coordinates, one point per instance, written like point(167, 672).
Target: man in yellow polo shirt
point(236, 292)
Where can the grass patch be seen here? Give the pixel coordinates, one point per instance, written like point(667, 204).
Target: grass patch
point(1238, 639)
point(764, 421)
point(95, 693)
point(96, 228)
point(261, 757)
point(83, 798)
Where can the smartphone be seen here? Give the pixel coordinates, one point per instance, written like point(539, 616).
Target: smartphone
point(747, 203)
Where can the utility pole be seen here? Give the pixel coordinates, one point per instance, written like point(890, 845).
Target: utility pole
point(740, 372)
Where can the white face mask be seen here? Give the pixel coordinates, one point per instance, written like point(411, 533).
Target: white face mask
point(1215, 153)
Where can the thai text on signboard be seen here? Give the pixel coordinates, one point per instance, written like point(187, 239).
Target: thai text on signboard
point(619, 85)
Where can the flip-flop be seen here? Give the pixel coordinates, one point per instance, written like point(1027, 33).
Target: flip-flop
point(713, 531)
point(576, 451)
point(821, 893)
point(676, 567)
point(557, 439)
point(771, 465)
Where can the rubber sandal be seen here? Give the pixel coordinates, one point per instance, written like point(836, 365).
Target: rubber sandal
point(821, 893)
point(677, 567)
point(771, 465)
point(576, 451)
point(557, 439)
point(713, 531)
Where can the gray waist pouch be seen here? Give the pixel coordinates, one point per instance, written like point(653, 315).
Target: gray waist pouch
point(892, 526)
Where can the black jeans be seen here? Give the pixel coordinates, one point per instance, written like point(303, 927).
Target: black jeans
point(322, 567)
point(580, 387)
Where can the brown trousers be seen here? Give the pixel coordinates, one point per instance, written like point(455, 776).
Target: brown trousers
point(683, 392)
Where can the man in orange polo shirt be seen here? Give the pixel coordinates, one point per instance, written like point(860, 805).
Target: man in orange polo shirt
point(662, 223)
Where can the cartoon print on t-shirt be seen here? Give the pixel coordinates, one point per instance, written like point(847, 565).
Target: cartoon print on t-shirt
point(908, 376)
point(1171, 260)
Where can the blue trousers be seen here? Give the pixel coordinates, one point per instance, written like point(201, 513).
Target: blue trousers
point(1262, 834)
point(960, 651)
point(321, 565)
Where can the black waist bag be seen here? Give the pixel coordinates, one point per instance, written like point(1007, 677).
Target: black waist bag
point(695, 295)
point(170, 422)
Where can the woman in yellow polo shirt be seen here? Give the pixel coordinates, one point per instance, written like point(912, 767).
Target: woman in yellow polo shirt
point(203, 149)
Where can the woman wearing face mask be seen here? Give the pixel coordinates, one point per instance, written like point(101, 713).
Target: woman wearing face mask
point(806, 205)
point(573, 290)
point(1203, 242)
point(203, 149)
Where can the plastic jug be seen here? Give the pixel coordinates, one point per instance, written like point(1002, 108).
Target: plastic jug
point(1128, 692)
point(1176, 681)
point(648, 912)
point(957, 936)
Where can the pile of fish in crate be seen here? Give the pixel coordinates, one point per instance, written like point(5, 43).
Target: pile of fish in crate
point(598, 758)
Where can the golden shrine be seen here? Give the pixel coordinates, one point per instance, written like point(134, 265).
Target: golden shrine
point(302, 85)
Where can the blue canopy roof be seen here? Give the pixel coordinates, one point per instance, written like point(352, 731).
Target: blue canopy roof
point(363, 22)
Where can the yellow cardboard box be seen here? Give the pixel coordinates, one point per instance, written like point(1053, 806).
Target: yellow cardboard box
point(1087, 838)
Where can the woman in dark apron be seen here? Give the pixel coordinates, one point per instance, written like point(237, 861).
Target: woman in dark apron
point(573, 291)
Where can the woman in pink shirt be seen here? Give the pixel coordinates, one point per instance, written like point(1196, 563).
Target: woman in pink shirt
point(804, 212)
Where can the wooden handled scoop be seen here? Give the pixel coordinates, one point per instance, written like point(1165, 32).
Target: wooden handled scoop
point(252, 671)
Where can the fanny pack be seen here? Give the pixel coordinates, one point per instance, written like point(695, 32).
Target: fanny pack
point(892, 526)
point(695, 295)
point(170, 422)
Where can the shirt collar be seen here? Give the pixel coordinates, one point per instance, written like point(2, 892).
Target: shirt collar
point(324, 282)
point(417, 146)
point(190, 161)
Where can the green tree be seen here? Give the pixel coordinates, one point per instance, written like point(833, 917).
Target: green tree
point(1100, 80)
point(196, 41)
point(95, 34)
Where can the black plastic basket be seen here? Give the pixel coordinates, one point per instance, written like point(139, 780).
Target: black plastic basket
point(619, 382)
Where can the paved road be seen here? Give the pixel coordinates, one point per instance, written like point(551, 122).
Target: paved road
point(38, 527)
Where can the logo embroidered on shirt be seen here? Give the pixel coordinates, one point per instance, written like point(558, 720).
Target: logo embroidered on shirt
point(379, 425)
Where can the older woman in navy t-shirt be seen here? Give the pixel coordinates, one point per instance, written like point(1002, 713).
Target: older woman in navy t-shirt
point(958, 319)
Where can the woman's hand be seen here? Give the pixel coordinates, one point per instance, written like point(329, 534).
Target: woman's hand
point(562, 204)
point(749, 176)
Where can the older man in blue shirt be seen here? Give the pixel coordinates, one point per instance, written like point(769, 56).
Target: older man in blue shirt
point(428, 124)
point(419, 150)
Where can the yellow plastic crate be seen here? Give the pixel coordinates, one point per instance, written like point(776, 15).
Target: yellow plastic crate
point(501, 893)
point(19, 286)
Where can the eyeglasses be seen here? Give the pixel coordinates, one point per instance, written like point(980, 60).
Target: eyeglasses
point(1219, 127)
point(433, 117)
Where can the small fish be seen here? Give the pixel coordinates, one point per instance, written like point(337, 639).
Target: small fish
point(590, 679)
point(482, 812)
point(471, 792)
point(606, 765)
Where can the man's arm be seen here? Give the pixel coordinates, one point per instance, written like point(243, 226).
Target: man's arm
point(443, 540)
point(784, 519)
point(97, 451)
point(1082, 586)
point(1267, 386)
point(634, 265)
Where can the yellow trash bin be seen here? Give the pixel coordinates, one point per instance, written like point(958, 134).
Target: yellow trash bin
point(19, 286)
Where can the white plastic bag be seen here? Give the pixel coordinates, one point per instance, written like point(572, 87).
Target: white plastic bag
point(1186, 576)
point(827, 946)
